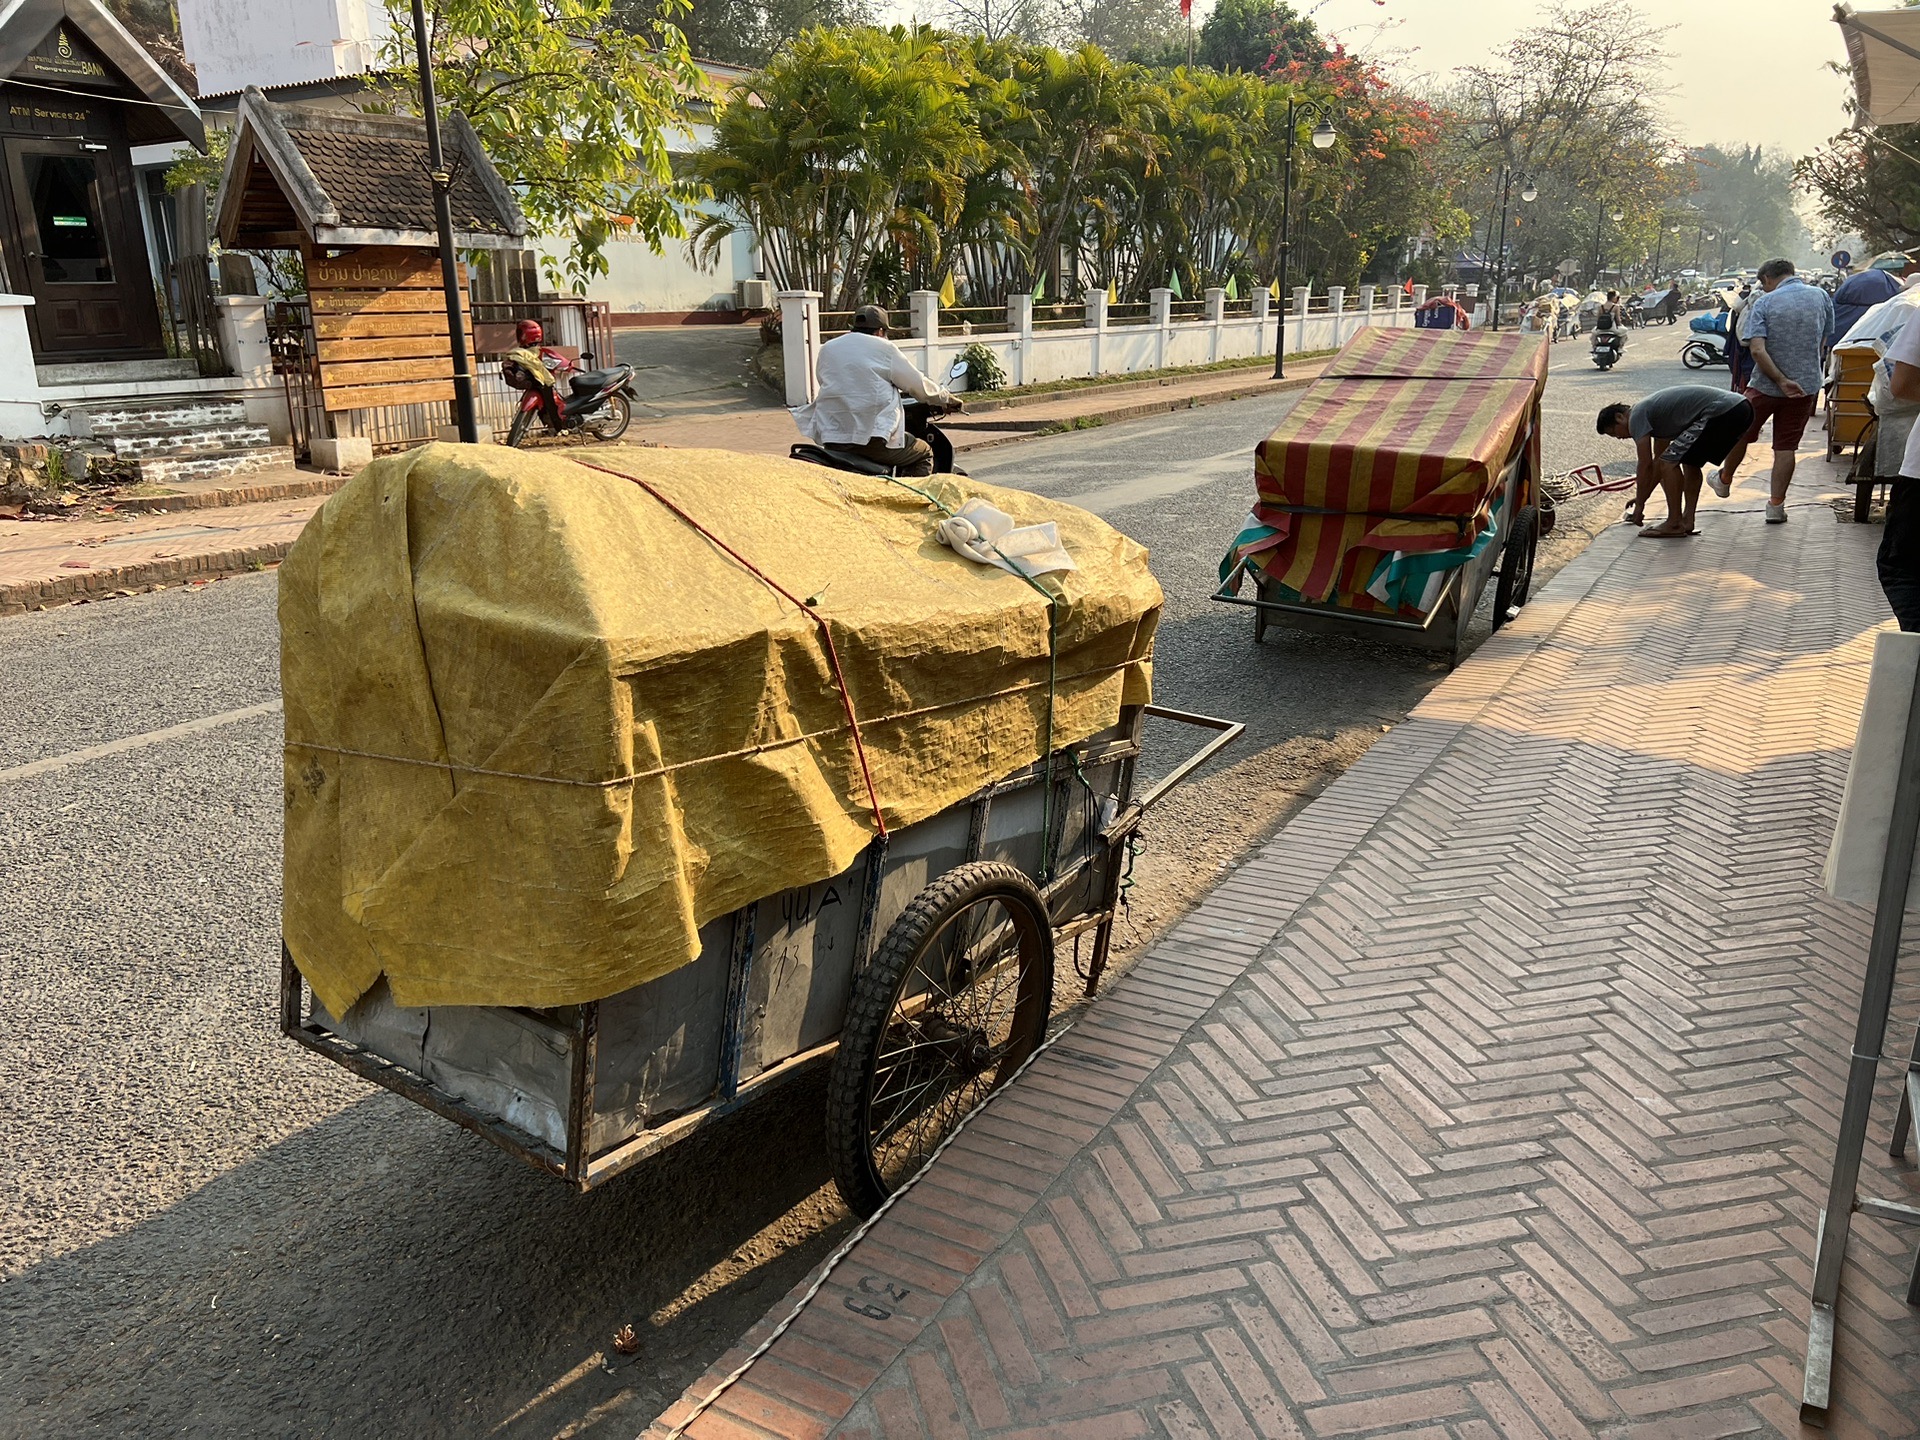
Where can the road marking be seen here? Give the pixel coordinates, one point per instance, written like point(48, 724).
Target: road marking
point(138, 742)
point(1162, 483)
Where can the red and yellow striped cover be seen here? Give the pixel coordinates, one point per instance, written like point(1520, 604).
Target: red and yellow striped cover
point(1399, 445)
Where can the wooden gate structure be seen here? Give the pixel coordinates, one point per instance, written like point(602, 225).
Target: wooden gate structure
point(353, 194)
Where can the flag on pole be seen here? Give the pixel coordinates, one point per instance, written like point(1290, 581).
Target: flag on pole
point(1233, 287)
point(1186, 8)
point(947, 296)
point(1173, 284)
point(1113, 293)
point(1039, 288)
point(1274, 289)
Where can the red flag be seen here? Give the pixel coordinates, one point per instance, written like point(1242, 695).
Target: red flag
point(1186, 8)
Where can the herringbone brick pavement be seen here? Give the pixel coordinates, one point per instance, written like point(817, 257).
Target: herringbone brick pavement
point(1493, 1097)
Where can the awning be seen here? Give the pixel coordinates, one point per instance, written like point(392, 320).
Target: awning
point(1883, 49)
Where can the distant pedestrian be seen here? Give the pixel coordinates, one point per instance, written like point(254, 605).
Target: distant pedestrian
point(1676, 430)
point(1787, 328)
point(1879, 282)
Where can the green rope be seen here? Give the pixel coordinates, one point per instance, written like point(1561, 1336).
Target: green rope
point(1053, 676)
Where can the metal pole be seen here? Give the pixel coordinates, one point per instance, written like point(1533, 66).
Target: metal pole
point(463, 411)
point(1286, 242)
point(1500, 270)
point(1599, 218)
point(1876, 999)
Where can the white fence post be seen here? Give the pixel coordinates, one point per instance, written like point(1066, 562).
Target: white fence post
point(799, 341)
point(924, 308)
point(1337, 307)
point(1419, 296)
point(1216, 317)
point(1160, 316)
point(1262, 311)
point(1366, 304)
point(1097, 323)
point(1302, 299)
point(1020, 322)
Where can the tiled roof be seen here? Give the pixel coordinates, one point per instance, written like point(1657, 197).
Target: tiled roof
point(380, 181)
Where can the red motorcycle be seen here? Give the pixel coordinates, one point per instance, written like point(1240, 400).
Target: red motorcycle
point(599, 402)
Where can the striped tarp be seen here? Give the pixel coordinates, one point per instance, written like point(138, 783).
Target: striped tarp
point(1399, 446)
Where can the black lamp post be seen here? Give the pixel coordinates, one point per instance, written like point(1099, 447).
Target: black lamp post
point(1323, 138)
point(1528, 194)
point(463, 411)
point(1659, 248)
point(1730, 240)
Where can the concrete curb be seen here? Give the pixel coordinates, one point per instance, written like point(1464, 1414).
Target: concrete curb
point(20, 597)
point(965, 443)
point(230, 495)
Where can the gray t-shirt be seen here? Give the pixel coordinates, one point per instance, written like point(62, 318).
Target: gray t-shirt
point(1796, 321)
point(1666, 414)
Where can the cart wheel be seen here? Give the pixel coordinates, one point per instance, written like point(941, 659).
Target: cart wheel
point(1516, 565)
point(955, 1001)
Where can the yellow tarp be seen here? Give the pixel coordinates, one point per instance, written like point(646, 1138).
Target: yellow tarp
point(539, 729)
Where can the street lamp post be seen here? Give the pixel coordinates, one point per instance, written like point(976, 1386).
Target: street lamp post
point(1527, 194)
point(463, 411)
point(1323, 138)
point(1731, 240)
point(1659, 248)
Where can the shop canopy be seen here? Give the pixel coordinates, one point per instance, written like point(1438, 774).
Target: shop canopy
point(1883, 50)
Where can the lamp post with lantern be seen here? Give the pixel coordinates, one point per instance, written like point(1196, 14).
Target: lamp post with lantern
point(1528, 194)
point(1323, 137)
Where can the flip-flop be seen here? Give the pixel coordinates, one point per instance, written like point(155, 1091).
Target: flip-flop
point(1668, 534)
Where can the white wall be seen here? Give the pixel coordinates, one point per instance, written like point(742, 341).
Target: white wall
point(236, 43)
point(641, 279)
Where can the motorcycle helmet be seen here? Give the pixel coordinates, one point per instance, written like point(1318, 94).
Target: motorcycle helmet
point(528, 332)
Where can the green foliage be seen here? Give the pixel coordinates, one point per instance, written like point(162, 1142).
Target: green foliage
point(984, 371)
point(1868, 182)
point(1259, 36)
point(747, 32)
point(574, 109)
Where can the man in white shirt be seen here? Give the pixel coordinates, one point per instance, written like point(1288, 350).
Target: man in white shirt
point(856, 409)
point(1899, 558)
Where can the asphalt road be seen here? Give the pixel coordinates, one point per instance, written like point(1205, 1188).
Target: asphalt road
point(208, 1232)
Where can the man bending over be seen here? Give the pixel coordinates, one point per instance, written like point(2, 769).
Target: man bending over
point(1676, 431)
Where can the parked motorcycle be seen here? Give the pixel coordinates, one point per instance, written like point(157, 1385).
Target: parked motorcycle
point(1608, 347)
point(598, 402)
point(1704, 348)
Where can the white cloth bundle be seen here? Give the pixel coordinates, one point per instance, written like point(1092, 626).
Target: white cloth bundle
point(985, 533)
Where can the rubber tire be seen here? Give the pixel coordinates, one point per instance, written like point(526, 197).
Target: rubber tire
point(1516, 565)
point(517, 432)
point(874, 997)
point(612, 422)
point(1695, 356)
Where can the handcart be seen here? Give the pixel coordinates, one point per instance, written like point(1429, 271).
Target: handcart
point(1402, 483)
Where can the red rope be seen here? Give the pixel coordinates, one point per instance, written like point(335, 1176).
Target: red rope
point(826, 630)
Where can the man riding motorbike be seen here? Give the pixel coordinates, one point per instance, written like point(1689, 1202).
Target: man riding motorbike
point(856, 408)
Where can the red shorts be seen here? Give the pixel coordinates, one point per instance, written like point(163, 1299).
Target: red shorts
point(1789, 413)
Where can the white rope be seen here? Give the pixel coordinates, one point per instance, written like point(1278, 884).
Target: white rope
point(728, 1381)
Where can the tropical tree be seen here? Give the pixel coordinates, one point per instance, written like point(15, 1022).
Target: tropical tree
point(1259, 36)
point(1868, 182)
point(747, 32)
point(574, 110)
point(850, 146)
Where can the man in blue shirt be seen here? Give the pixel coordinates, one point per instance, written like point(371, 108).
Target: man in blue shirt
point(1788, 329)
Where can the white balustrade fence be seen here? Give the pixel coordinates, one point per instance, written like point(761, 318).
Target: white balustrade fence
point(1099, 346)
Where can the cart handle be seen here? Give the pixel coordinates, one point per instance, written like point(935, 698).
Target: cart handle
point(1230, 731)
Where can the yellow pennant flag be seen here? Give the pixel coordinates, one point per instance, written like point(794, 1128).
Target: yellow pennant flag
point(1113, 293)
point(1274, 289)
point(1233, 287)
point(947, 296)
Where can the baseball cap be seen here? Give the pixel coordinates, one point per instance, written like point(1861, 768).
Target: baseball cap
point(1895, 260)
point(869, 317)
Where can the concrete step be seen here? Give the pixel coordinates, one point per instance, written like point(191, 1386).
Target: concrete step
point(199, 440)
point(275, 483)
point(112, 372)
point(219, 465)
point(110, 419)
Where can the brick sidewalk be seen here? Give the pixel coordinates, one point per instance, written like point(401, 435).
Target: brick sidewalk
point(54, 562)
point(1494, 1096)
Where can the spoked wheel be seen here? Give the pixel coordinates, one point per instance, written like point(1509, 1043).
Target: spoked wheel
point(611, 423)
point(955, 1001)
point(1516, 565)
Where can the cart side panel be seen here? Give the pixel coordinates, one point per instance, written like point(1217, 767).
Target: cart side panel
point(659, 1043)
point(803, 963)
point(508, 1063)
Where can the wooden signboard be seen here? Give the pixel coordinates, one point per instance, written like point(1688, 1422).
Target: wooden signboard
point(380, 321)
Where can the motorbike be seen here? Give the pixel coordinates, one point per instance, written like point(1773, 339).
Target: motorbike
point(1704, 348)
point(599, 402)
point(920, 425)
point(1608, 346)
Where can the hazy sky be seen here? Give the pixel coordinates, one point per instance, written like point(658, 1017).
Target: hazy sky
point(1740, 71)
